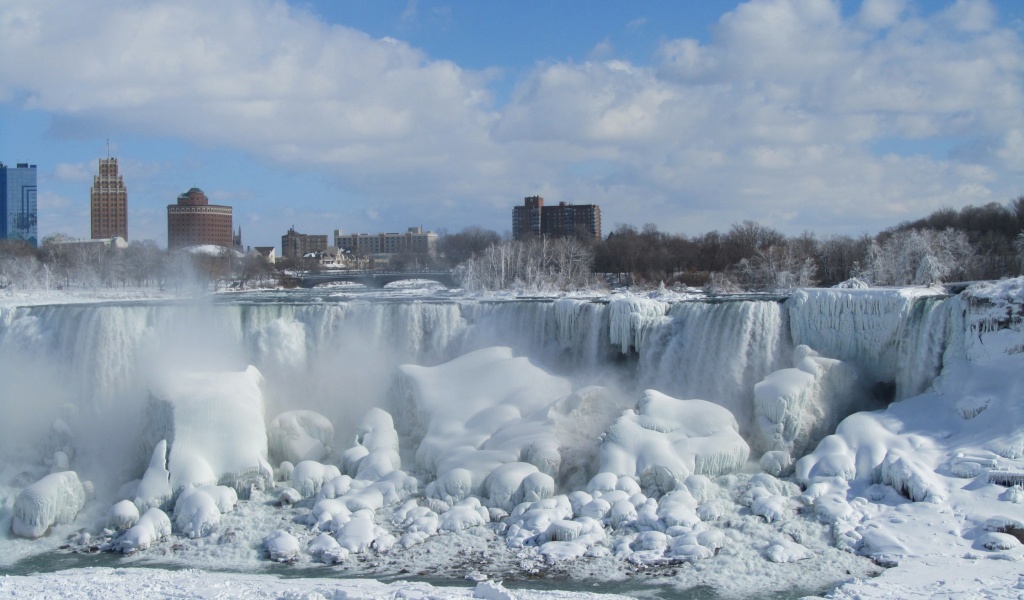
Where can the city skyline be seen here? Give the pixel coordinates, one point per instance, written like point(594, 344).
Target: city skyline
point(836, 117)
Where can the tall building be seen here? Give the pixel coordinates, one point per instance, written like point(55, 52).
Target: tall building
point(533, 219)
point(413, 241)
point(295, 245)
point(18, 203)
point(108, 202)
point(526, 219)
point(193, 221)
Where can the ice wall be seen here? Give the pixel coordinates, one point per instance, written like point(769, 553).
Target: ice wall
point(337, 358)
point(893, 335)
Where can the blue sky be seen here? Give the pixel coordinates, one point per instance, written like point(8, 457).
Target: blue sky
point(836, 117)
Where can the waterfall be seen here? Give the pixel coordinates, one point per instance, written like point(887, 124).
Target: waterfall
point(338, 358)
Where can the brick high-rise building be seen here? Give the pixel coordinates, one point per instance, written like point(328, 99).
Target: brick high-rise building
point(534, 219)
point(108, 202)
point(295, 245)
point(18, 214)
point(193, 221)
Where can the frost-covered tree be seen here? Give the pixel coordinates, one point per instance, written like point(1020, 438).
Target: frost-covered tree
point(920, 257)
point(534, 265)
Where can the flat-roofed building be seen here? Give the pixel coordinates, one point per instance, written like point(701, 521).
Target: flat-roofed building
point(535, 219)
point(413, 241)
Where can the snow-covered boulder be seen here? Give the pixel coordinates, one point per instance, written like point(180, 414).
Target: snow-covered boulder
point(282, 546)
point(665, 440)
point(215, 428)
point(309, 476)
point(298, 435)
point(197, 511)
point(153, 526)
point(53, 500)
point(123, 515)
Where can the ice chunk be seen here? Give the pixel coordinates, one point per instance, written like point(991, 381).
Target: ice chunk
point(123, 515)
point(53, 500)
point(359, 532)
point(282, 546)
point(785, 551)
point(197, 511)
point(327, 550)
point(153, 526)
point(489, 590)
point(677, 437)
point(214, 425)
point(309, 476)
point(463, 516)
point(299, 435)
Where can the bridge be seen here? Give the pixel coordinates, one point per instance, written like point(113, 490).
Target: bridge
point(375, 279)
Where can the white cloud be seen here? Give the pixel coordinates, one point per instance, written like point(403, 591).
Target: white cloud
point(72, 172)
point(774, 119)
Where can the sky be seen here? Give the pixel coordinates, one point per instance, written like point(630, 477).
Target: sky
point(837, 117)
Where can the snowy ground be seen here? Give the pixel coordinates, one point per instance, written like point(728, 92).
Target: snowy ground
point(924, 487)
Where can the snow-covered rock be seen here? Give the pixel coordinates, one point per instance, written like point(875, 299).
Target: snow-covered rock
point(153, 526)
point(53, 500)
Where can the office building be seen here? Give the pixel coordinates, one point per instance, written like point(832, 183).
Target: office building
point(535, 219)
point(413, 241)
point(108, 202)
point(193, 221)
point(18, 203)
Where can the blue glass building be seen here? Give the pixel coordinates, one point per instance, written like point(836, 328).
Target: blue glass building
point(18, 203)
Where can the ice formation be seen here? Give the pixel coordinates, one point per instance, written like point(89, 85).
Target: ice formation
point(484, 411)
point(665, 440)
point(53, 500)
point(797, 407)
point(298, 435)
point(215, 427)
point(499, 451)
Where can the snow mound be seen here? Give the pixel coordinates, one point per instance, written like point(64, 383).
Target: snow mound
point(214, 425)
point(197, 511)
point(309, 477)
point(299, 435)
point(282, 546)
point(153, 526)
point(665, 440)
point(53, 500)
